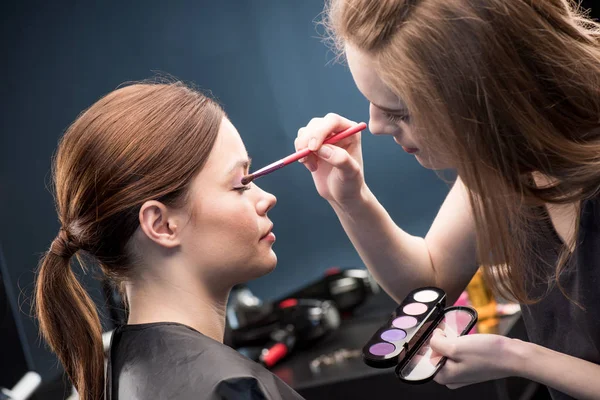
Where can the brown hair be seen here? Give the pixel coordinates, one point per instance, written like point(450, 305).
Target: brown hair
point(140, 142)
point(507, 89)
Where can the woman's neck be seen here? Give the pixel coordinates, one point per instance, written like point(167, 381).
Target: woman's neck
point(185, 301)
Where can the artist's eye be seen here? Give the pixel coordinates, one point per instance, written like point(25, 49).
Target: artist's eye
point(397, 118)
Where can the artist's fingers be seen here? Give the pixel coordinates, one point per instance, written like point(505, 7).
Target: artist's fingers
point(318, 130)
point(448, 375)
point(298, 141)
point(310, 162)
point(340, 159)
point(443, 345)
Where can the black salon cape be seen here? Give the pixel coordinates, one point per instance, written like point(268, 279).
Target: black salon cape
point(167, 360)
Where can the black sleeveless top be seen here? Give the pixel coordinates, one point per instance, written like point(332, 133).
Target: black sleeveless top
point(556, 322)
point(167, 360)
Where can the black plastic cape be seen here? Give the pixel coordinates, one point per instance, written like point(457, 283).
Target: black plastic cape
point(168, 360)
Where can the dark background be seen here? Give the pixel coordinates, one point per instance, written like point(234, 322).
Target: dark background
point(264, 62)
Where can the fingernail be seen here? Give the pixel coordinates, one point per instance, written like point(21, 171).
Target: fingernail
point(312, 144)
point(325, 152)
point(302, 160)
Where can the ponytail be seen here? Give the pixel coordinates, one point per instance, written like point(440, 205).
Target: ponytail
point(69, 320)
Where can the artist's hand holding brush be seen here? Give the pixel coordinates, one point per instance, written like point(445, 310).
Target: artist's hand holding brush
point(337, 169)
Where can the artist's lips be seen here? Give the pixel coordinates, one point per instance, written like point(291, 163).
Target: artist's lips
point(410, 150)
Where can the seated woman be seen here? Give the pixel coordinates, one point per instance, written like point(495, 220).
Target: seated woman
point(147, 183)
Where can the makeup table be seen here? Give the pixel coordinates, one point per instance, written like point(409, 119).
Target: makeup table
point(349, 378)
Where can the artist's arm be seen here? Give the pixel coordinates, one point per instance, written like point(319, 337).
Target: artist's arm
point(478, 358)
point(399, 261)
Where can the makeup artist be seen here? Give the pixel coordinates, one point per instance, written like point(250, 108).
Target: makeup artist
point(507, 93)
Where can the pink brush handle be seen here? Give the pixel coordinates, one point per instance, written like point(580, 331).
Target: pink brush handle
point(333, 139)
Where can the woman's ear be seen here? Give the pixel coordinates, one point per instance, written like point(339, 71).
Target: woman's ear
point(159, 224)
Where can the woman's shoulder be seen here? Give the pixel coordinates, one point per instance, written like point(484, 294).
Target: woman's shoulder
point(169, 359)
point(170, 345)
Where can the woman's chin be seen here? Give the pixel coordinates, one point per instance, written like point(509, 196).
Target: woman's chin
point(265, 266)
point(271, 263)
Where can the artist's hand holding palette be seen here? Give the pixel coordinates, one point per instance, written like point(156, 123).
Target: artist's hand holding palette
point(403, 341)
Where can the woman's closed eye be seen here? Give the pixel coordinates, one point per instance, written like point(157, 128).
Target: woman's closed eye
point(242, 189)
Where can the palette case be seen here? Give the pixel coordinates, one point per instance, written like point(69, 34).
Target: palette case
point(403, 341)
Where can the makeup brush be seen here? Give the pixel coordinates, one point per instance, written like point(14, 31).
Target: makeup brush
point(301, 153)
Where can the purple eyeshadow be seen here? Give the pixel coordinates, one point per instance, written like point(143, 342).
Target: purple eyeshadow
point(393, 335)
point(382, 349)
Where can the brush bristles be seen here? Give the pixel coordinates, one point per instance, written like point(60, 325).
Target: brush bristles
point(247, 179)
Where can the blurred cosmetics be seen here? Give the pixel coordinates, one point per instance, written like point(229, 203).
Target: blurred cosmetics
point(482, 299)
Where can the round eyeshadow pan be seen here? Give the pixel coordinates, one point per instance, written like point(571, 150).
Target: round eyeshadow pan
point(404, 322)
point(393, 335)
point(426, 296)
point(414, 309)
point(382, 349)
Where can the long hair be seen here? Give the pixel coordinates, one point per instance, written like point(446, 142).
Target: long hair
point(140, 142)
point(506, 89)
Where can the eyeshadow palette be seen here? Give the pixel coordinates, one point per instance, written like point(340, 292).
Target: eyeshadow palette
point(403, 341)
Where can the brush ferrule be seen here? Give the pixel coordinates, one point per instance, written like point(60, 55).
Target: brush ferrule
point(268, 169)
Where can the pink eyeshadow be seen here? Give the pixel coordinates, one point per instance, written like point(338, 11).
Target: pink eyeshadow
point(415, 309)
